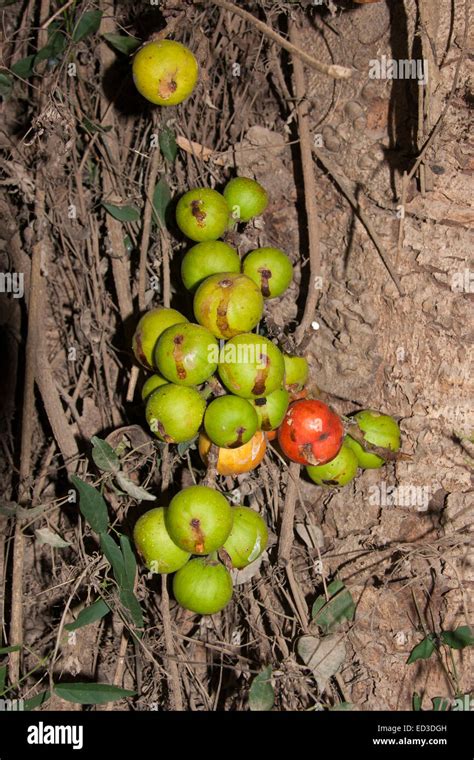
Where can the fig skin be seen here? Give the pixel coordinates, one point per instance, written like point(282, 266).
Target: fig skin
point(338, 472)
point(165, 72)
point(311, 433)
point(228, 304)
point(206, 259)
point(246, 198)
point(230, 421)
point(202, 214)
point(247, 539)
point(149, 329)
point(203, 586)
point(199, 519)
point(186, 354)
point(174, 412)
point(379, 430)
point(152, 540)
point(270, 269)
point(236, 461)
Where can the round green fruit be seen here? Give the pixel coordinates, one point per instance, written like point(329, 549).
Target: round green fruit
point(203, 214)
point(204, 259)
point(186, 354)
point(248, 537)
point(230, 421)
point(203, 586)
point(296, 373)
point(271, 409)
point(159, 553)
point(245, 198)
point(174, 412)
point(150, 385)
point(228, 304)
point(149, 329)
point(270, 269)
point(164, 72)
point(338, 472)
point(251, 366)
point(199, 519)
point(379, 430)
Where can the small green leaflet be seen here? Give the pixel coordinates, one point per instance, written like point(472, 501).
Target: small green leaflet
point(87, 24)
point(6, 85)
point(261, 693)
point(13, 648)
point(37, 701)
point(459, 638)
point(88, 615)
point(24, 67)
point(104, 456)
point(416, 700)
point(92, 505)
point(339, 607)
point(129, 562)
point(115, 557)
point(423, 650)
point(161, 201)
point(122, 213)
point(3, 676)
point(56, 45)
point(123, 43)
point(168, 145)
point(441, 704)
point(91, 693)
point(130, 601)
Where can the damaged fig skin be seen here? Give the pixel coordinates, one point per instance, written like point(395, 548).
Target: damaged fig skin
point(230, 421)
point(248, 538)
point(228, 304)
point(311, 433)
point(183, 354)
point(199, 519)
point(251, 366)
point(202, 214)
point(203, 586)
point(235, 461)
point(153, 543)
point(338, 472)
point(149, 329)
point(270, 269)
point(271, 409)
point(296, 373)
point(246, 198)
point(165, 72)
point(377, 429)
point(174, 413)
point(205, 259)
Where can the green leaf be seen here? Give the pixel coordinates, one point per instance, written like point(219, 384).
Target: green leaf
point(130, 601)
point(261, 693)
point(13, 648)
point(24, 67)
point(416, 699)
point(3, 677)
point(441, 704)
point(342, 707)
point(37, 701)
point(115, 557)
point(87, 24)
point(122, 213)
point(129, 561)
point(92, 505)
point(161, 201)
point(123, 43)
point(91, 693)
point(423, 650)
point(6, 84)
point(56, 45)
point(459, 638)
point(136, 492)
point(168, 145)
point(104, 456)
point(88, 615)
point(340, 607)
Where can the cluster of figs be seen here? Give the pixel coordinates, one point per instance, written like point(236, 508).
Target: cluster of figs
point(217, 379)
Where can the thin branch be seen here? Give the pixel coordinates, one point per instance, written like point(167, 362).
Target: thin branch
point(332, 70)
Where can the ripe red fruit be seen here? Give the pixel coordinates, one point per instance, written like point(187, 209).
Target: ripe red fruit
point(311, 433)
